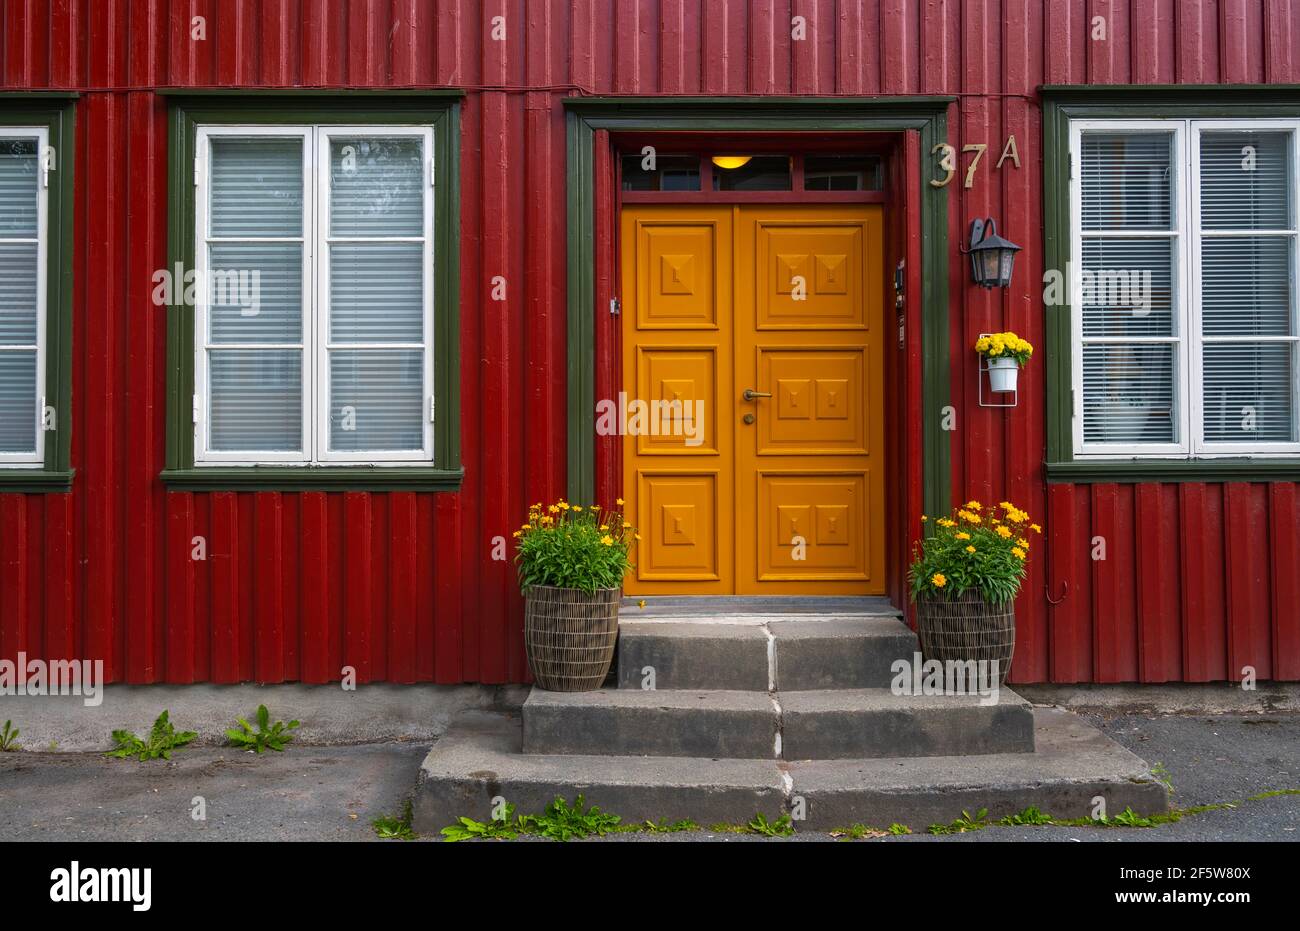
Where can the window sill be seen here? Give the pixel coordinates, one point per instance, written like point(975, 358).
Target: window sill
point(36, 481)
point(313, 478)
point(1093, 471)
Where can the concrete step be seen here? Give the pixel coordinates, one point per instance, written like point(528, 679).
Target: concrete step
point(813, 652)
point(480, 759)
point(839, 653)
point(619, 722)
point(825, 724)
point(837, 724)
point(693, 656)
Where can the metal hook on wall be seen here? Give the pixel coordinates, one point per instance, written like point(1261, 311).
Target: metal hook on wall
point(1064, 594)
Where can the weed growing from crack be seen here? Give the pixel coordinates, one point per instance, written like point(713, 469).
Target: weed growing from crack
point(391, 828)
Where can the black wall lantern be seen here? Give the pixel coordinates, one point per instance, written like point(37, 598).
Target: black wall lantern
point(991, 256)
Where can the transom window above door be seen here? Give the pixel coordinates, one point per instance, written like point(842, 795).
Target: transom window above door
point(1185, 249)
point(644, 174)
point(314, 318)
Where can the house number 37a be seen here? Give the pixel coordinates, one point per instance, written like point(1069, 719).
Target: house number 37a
point(948, 160)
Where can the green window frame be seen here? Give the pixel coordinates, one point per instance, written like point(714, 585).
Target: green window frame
point(439, 110)
point(1061, 106)
point(55, 114)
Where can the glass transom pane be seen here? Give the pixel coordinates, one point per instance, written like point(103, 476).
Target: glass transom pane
point(670, 173)
point(1128, 393)
point(1246, 286)
point(19, 190)
point(255, 292)
point(1246, 180)
point(1126, 180)
point(256, 187)
point(18, 401)
point(760, 173)
point(1126, 287)
point(376, 186)
point(18, 293)
point(256, 401)
point(1248, 393)
point(377, 292)
point(376, 399)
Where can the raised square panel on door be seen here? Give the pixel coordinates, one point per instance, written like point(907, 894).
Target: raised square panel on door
point(819, 402)
point(809, 275)
point(829, 513)
point(677, 392)
point(677, 287)
point(678, 513)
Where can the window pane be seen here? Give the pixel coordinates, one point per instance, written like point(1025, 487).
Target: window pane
point(256, 293)
point(256, 401)
point(761, 173)
point(1128, 393)
point(1248, 393)
point(841, 173)
point(256, 187)
point(18, 401)
point(17, 293)
point(1126, 287)
point(1246, 286)
point(671, 173)
point(1245, 180)
point(377, 292)
point(1126, 180)
point(376, 399)
point(376, 186)
point(19, 189)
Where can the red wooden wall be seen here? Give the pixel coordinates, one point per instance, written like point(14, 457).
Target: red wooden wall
point(1201, 579)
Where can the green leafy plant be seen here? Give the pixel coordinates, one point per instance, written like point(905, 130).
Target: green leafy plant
point(570, 546)
point(781, 827)
point(560, 821)
point(268, 736)
point(1162, 776)
point(391, 828)
point(899, 829)
point(163, 739)
point(974, 550)
point(507, 827)
point(662, 826)
point(1030, 815)
point(967, 822)
point(8, 737)
point(857, 832)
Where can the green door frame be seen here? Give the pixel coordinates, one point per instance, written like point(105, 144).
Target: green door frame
point(586, 115)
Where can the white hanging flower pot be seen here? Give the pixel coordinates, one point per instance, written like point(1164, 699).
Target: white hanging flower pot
point(1003, 374)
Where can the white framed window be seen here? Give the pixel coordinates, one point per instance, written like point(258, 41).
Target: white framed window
point(314, 305)
point(24, 254)
point(1184, 239)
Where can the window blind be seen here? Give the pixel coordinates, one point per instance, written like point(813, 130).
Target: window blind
point(20, 291)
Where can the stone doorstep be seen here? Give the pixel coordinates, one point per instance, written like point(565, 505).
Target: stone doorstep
point(481, 759)
point(823, 724)
point(815, 652)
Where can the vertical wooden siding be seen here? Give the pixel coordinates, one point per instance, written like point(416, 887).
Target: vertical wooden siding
point(1200, 579)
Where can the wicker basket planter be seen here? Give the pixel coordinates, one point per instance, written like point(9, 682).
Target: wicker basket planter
point(967, 628)
point(569, 636)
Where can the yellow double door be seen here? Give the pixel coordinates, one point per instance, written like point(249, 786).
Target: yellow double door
point(752, 412)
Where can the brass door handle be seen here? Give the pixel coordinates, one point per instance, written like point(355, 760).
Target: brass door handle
point(750, 394)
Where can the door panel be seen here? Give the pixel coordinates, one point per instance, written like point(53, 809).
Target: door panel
point(786, 301)
point(678, 459)
point(808, 331)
